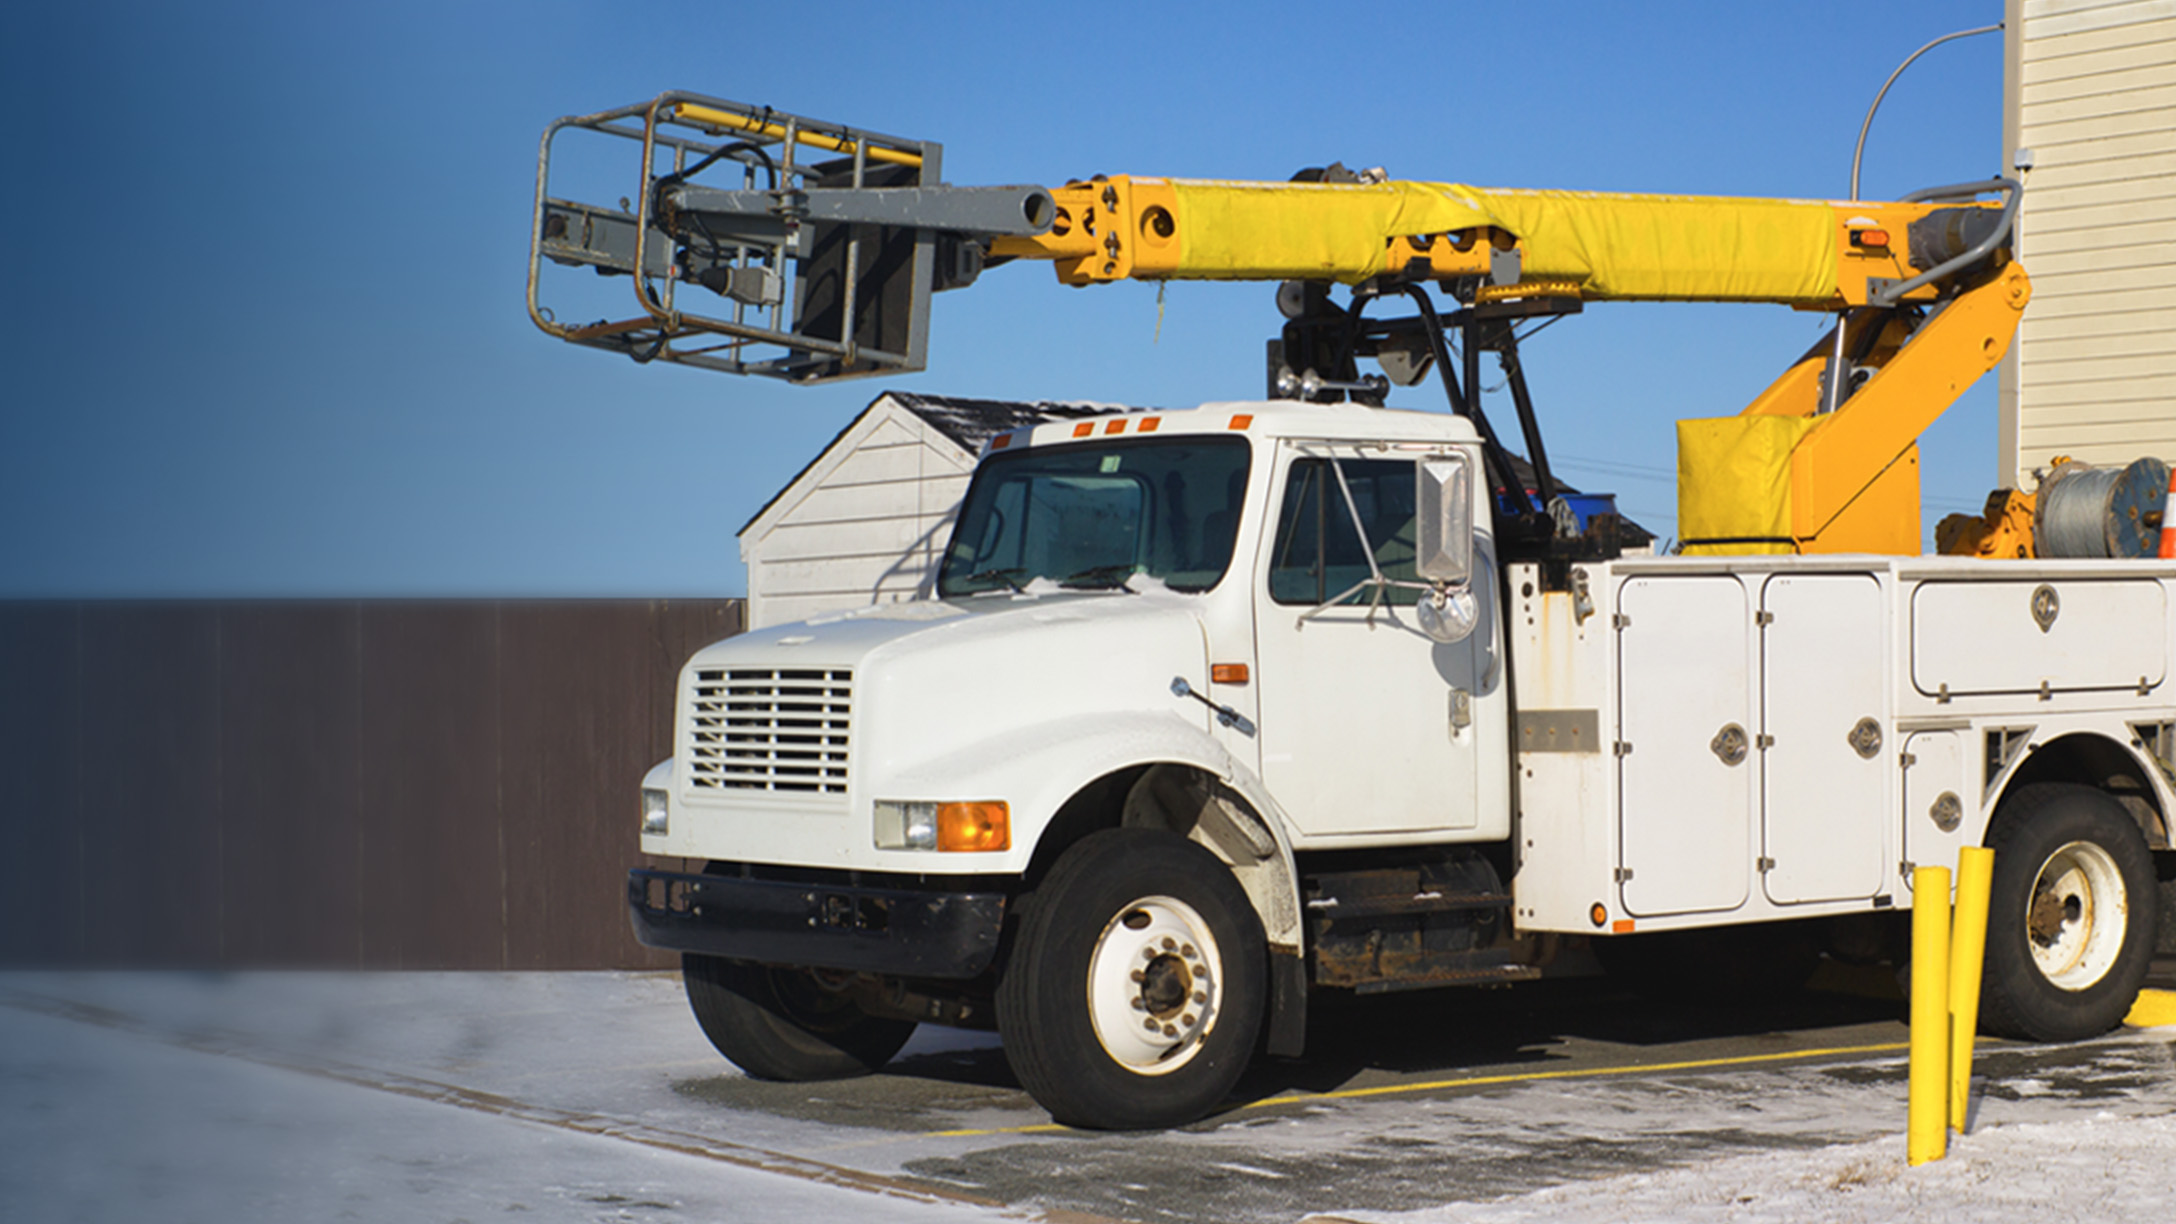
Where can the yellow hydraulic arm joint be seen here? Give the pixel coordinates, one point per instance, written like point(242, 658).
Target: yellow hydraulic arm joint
point(1788, 476)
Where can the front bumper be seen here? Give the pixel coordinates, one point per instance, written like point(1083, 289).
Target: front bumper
point(902, 932)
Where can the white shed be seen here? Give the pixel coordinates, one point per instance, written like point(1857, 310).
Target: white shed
point(866, 521)
point(2091, 90)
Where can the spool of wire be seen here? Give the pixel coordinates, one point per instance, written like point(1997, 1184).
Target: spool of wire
point(2100, 512)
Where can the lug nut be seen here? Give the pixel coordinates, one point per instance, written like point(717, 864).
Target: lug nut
point(1170, 1031)
point(1149, 1024)
point(1188, 952)
point(1139, 976)
point(1201, 996)
point(1170, 943)
point(1140, 1005)
point(1187, 1019)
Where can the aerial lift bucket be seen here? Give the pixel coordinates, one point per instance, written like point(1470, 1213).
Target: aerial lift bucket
point(815, 244)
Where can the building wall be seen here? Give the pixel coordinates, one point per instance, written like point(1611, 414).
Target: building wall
point(332, 784)
point(865, 524)
point(2093, 96)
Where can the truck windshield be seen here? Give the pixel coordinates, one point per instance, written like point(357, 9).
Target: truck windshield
point(1093, 517)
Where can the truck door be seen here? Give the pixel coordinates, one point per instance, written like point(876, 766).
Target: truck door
point(1825, 757)
point(1936, 790)
point(1367, 725)
point(1684, 762)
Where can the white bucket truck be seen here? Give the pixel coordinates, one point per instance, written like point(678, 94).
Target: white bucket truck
point(1214, 709)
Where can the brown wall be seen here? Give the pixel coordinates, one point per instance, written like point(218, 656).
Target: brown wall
point(332, 784)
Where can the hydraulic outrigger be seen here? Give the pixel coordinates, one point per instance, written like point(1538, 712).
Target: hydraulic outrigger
point(824, 269)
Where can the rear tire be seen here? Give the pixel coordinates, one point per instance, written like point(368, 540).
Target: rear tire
point(1136, 985)
point(2070, 919)
point(784, 1024)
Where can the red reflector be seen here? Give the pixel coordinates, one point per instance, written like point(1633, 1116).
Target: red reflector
point(1083, 429)
point(1870, 238)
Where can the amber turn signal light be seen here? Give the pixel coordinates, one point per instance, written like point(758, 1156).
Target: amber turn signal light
point(974, 826)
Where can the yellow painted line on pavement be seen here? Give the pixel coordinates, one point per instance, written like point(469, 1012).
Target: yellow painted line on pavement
point(1482, 1081)
point(2154, 1009)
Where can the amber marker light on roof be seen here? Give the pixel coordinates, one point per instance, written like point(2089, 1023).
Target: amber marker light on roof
point(973, 827)
point(1242, 420)
point(1083, 429)
point(1001, 441)
point(1115, 427)
point(1149, 425)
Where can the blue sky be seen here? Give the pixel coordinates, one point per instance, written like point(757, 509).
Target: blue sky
point(264, 329)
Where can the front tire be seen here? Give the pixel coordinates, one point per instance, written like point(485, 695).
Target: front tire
point(786, 1024)
point(2070, 917)
point(1136, 985)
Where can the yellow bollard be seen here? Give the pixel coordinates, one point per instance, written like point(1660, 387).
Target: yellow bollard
point(1927, 1131)
point(1967, 949)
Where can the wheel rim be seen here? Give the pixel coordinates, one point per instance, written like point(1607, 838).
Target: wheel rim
point(2075, 921)
point(1155, 985)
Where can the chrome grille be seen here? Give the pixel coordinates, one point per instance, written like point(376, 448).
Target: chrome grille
point(770, 729)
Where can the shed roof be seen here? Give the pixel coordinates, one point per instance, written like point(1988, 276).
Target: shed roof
point(968, 423)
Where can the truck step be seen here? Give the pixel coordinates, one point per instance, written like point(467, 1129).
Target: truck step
point(1451, 977)
point(1426, 901)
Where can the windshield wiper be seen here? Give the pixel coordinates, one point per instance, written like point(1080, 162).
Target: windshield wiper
point(1100, 578)
point(1009, 577)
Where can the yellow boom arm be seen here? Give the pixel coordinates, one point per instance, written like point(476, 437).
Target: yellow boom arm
point(831, 264)
point(1792, 473)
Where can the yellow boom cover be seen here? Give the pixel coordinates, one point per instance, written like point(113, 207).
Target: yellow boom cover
point(1683, 248)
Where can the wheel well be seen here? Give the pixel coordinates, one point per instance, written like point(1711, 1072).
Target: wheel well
point(2099, 762)
point(1193, 803)
point(1098, 805)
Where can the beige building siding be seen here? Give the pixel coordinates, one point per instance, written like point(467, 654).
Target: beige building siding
point(2092, 95)
point(863, 525)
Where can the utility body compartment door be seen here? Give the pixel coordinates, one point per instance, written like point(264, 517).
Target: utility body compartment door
point(1936, 790)
point(1685, 764)
point(2032, 636)
point(1825, 748)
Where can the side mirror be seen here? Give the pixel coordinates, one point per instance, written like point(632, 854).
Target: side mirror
point(1443, 528)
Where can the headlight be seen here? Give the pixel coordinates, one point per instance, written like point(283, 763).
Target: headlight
point(920, 825)
point(654, 808)
point(905, 826)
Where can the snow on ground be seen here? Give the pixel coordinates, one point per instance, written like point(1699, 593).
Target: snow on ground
point(592, 1097)
point(2104, 1169)
point(99, 1125)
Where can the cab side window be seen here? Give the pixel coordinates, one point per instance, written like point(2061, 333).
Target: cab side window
point(1318, 555)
